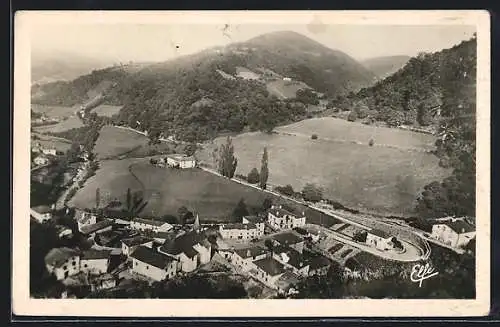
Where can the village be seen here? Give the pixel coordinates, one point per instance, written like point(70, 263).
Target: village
point(276, 248)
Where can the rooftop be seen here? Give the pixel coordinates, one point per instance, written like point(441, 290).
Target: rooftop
point(280, 212)
point(239, 226)
point(291, 257)
point(180, 157)
point(459, 226)
point(270, 266)
point(288, 279)
point(380, 233)
point(89, 229)
point(254, 219)
point(151, 257)
point(138, 240)
point(287, 238)
point(58, 256)
point(184, 244)
point(93, 254)
point(318, 261)
point(149, 222)
point(250, 252)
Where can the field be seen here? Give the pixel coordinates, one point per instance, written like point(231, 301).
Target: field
point(383, 179)
point(54, 111)
point(67, 124)
point(214, 198)
point(114, 142)
point(283, 89)
point(106, 110)
point(53, 142)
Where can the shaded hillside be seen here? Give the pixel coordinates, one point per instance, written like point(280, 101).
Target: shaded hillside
point(383, 67)
point(159, 98)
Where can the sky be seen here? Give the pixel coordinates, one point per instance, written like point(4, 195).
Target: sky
point(153, 42)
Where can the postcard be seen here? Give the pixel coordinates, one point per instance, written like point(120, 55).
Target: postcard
point(251, 163)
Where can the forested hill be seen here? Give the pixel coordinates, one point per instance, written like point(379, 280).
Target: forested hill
point(414, 94)
point(195, 97)
point(383, 67)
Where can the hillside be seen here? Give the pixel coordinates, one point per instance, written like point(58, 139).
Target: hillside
point(383, 67)
point(160, 97)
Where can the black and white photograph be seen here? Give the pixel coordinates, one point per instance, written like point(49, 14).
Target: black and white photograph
point(273, 157)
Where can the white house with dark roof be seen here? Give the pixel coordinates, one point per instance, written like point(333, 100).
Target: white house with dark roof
point(99, 227)
point(142, 225)
point(95, 262)
point(279, 217)
point(244, 258)
point(379, 239)
point(268, 271)
point(259, 222)
point(181, 161)
point(62, 262)
point(41, 213)
point(130, 244)
point(239, 231)
point(152, 264)
point(454, 232)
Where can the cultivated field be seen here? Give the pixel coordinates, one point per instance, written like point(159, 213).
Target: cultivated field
point(283, 89)
point(383, 179)
point(106, 110)
point(67, 124)
point(54, 111)
point(114, 142)
point(53, 142)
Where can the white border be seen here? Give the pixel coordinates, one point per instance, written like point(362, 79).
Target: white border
point(23, 305)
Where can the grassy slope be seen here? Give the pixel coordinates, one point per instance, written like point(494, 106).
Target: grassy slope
point(106, 110)
point(356, 175)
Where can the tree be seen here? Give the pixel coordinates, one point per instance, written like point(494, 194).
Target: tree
point(267, 203)
point(97, 197)
point(371, 142)
point(352, 116)
point(360, 236)
point(312, 193)
point(241, 210)
point(253, 176)
point(264, 170)
point(129, 200)
point(227, 161)
point(314, 137)
point(286, 190)
point(170, 219)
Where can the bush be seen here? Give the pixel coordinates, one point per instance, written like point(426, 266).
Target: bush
point(312, 193)
point(371, 142)
point(253, 176)
point(352, 116)
point(286, 190)
point(314, 137)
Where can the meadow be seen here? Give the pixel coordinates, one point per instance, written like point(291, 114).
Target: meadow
point(54, 111)
point(114, 142)
point(383, 179)
point(106, 110)
point(64, 125)
point(52, 142)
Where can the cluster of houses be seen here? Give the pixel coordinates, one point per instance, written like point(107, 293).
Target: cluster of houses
point(44, 154)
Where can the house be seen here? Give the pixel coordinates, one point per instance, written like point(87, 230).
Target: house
point(95, 261)
point(150, 225)
point(49, 151)
point(41, 213)
point(102, 282)
point(287, 283)
point(191, 249)
point(281, 218)
point(455, 232)
point(260, 222)
point(181, 161)
point(379, 239)
point(41, 160)
point(291, 259)
point(243, 258)
point(62, 262)
point(99, 227)
point(152, 264)
point(268, 271)
point(289, 239)
point(84, 218)
point(130, 244)
point(239, 231)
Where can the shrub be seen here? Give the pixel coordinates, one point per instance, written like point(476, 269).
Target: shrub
point(312, 193)
point(253, 176)
point(371, 142)
point(286, 190)
point(352, 116)
point(314, 136)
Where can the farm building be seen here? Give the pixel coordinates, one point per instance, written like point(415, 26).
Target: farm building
point(455, 232)
point(41, 213)
point(130, 244)
point(280, 218)
point(152, 264)
point(95, 261)
point(181, 161)
point(150, 225)
point(62, 262)
point(379, 239)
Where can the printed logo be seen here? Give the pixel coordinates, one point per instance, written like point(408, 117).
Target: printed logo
point(419, 273)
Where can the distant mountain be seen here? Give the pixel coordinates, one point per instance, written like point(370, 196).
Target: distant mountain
point(46, 68)
point(382, 67)
point(234, 79)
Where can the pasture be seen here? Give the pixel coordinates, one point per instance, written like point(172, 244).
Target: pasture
point(47, 141)
point(106, 110)
point(285, 89)
point(114, 142)
point(54, 111)
point(383, 179)
point(64, 125)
